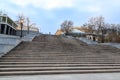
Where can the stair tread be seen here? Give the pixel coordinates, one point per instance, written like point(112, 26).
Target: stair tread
point(65, 68)
point(58, 72)
point(12, 65)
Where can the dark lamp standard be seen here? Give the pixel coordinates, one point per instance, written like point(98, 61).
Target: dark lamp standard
point(21, 24)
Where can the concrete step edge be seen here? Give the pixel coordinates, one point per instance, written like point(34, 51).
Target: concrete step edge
point(59, 68)
point(54, 65)
point(7, 73)
point(47, 56)
point(59, 62)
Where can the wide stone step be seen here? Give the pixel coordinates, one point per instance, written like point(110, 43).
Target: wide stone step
point(59, 68)
point(50, 59)
point(62, 56)
point(12, 73)
point(42, 57)
point(54, 65)
point(57, 54)
point(39, 53)
point(110, 63)
point(59, 60)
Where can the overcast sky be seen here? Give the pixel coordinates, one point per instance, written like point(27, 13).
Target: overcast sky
point(49, 14)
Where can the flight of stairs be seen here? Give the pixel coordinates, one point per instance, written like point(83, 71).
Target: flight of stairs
point(48, 54)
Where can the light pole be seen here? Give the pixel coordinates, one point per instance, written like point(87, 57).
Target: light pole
point(21, 24)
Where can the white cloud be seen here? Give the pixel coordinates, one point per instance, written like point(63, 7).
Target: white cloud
point(94, 8)
point(46, 4)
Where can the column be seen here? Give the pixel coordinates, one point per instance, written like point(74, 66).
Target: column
point(12, 31)
point(12, 25)
point(6, 19)
point(0, 23)
point(5, 29)
point(15, 32)
point(9, 30)
point(0, 28)
point(0, 19)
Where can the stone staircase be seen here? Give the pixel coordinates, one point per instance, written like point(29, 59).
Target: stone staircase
point(48, 54)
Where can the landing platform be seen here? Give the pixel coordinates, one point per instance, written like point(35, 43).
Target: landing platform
point(99, 76)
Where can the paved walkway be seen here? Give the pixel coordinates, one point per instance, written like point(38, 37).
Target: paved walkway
point(100, 76)
point(117, 45)
point(88, 41)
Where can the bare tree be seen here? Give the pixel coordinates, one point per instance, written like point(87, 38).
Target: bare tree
point(91, 24)
point(28, 24)
point(86, 28)
point(97, 25)
point(118, 29)
point(100, 26)
point(114, 32)
point(67, 26)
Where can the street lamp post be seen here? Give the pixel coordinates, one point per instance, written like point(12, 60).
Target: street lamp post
point(21, 24)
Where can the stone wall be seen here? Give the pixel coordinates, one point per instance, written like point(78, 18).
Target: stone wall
point(7, 43)
point(25, 32)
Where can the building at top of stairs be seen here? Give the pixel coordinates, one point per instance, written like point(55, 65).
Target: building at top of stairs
point(10, 27)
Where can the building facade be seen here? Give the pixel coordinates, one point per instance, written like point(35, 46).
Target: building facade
point(7, 25)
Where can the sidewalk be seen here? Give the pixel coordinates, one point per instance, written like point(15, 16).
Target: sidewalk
point(97, 76)
point(88, 41)
point(117, 45)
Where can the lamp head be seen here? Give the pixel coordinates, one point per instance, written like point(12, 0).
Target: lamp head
point(21, 20)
